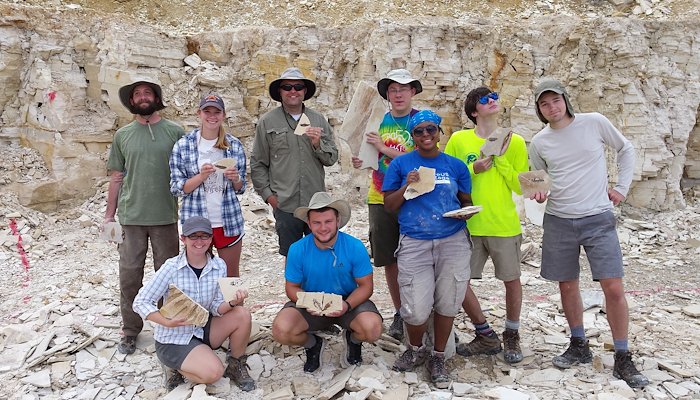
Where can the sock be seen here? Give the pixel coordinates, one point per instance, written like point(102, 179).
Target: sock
point(354, 341)
point(483, 329)
point(621, 344)
point(310, 341)
point(578, 332)
point(512, 325)
point(440, 354)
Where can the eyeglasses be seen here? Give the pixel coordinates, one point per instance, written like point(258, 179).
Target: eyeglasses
point(430, 130)
point(202, 237)
point(485, 99)
point(297, 86)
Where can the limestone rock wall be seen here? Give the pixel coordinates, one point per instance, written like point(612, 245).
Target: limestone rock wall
point(60, 74)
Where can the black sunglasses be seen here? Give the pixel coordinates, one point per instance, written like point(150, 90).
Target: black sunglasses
point(430, 129)
point(297, 86)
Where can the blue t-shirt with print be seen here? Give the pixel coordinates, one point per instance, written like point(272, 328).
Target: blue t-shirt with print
point(421, 217)
point(319, 270)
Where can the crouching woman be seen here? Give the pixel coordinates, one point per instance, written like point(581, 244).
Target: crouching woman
point(186, 350)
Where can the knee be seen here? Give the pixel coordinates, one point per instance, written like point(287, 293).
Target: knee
point(241, 314)
point(370, 328)
point(281, 332)
point(211, 373)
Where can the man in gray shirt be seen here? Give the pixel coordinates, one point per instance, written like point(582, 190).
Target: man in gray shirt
point(571, 148)
point(287, 164)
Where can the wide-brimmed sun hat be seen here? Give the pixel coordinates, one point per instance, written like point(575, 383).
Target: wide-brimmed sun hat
point(401, 76)
point(292, 73)
point(323, 199)
point(126, 91)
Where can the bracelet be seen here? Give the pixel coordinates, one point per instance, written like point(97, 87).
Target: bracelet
point(231, 305)
point(349, 306)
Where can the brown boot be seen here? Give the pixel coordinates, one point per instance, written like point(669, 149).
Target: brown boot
point(511, 346)
point(237, 371)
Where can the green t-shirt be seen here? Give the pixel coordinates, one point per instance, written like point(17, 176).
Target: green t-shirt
point(145, 198)
point(492, 189)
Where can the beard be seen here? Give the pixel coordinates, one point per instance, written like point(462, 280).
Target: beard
point(330, 238)
point(142, 110)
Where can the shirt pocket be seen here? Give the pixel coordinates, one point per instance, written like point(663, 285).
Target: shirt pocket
point(279, 143)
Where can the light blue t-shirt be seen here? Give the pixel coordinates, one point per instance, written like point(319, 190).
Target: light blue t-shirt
point(421, 217)
point(319, 271)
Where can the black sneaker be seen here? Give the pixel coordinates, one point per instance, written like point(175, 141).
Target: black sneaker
point(314, 355)
point(578, 352)
point(353, 351)
point(396, 328)
point(624, 369)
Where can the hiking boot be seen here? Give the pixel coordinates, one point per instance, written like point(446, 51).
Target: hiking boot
point(396, 328)
point(127, 345)
point(481, 344)
point(353, 351)
point(313, 356)
point(237, 371)
point(624, 369)
point(437, 371)
point(578, 352)
point(172, 378)
point(411, 358)
point(511, 346)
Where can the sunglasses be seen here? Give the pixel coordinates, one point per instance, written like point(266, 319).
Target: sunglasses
point(199, 237)
point(297, 86)
point(430, 130)
point(485, 99)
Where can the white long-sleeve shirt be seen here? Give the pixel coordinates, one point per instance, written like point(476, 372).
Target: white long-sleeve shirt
point(574, 158)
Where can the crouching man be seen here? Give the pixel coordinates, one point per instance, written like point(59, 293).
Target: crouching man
point(328, 261)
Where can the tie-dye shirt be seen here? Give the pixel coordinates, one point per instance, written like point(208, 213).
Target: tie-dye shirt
point(395, 135)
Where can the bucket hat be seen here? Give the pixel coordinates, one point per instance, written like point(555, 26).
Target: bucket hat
point(126, 91)
point(323, 199)
point(551, 85)
point(401, 76)
point(291, 73)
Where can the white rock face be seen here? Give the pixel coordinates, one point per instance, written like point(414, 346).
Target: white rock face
point(61, 76)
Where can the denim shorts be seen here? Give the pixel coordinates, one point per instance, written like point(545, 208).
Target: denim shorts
point(562, 242)
point(504, 252)
point(433, 275)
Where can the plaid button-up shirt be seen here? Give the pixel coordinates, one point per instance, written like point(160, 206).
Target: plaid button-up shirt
point(184, 165)
point(204, 290)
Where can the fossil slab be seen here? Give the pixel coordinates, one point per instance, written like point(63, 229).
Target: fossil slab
point(229, 286)
point(225, 163)
point(112, 232)
point(463, 212)
point(321, 303)
point(179, 305)
point(497, 143)
point(425, 184)
point(303, 123)
point(365, 114)
point(532, 182)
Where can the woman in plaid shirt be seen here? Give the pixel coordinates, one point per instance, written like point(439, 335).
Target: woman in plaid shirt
point(207, 169)
point(186, 350)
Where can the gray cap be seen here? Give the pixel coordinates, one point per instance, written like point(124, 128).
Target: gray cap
point(401, 76)
point(551, 85)
point(196, 224)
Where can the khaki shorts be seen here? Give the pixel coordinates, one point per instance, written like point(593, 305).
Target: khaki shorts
point(383, 235)
point(504, 252)
point(432, 276)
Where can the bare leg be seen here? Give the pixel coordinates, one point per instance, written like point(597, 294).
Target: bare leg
point(472, 307)
point(232, 256)
point(571, 302)
point(290, 327)
point(234, 325)
point(616, 307)
point(415, 334)
point(392, 275)
point(442, 326)
point(202, 365)
point(366, 327)
point(514, 299)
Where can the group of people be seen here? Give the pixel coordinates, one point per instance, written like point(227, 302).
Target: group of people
point(428, 259)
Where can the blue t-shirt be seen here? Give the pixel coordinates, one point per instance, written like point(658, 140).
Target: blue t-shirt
point(421, 217)
point(319, 271)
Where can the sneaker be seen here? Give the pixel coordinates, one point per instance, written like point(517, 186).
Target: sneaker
point(313, 356)
point(437, 371)
point(511, 346)
point(237, 371)
point(396, 328)
point(172, 378)
point(578, 352)
point(411, 358)
point(624, 369)
point(481, 344)
point(127, 345)
point(353, 351)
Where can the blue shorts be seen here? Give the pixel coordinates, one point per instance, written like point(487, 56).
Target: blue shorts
point(562, 241)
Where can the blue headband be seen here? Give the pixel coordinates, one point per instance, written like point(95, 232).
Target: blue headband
point(423, 116)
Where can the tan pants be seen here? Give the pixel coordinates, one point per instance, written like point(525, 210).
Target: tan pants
point(132, 260)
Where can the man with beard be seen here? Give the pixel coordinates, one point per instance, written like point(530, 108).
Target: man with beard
point(139, 188)
point(328, 261)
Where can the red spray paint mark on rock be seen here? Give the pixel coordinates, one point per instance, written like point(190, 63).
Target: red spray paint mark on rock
point(22, 255)
point(52, 96)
